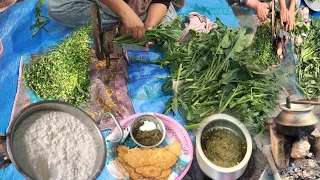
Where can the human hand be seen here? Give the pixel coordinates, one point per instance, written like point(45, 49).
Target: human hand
point(132, 25)
point(262, 11)
point(291, 20)
point(284, 16)
point(149, 27)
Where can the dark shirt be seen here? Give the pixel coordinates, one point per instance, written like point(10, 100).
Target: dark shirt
point(165, 2)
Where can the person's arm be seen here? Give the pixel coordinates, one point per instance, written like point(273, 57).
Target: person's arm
point(132, 24)
point(282, 4)
point(284, 15)
point(291, 15)
point(156, 12)
point(261, 9)
point(292, 5)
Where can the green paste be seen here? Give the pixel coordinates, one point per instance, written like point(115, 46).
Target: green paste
point(223, 147)
point(148, 138)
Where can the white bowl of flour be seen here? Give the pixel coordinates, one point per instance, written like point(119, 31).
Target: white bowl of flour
point(56, 141)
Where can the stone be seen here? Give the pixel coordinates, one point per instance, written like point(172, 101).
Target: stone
point(289, 178)
point(279, 148)
point(300, 149)
point(316, 148)
point(315, 145)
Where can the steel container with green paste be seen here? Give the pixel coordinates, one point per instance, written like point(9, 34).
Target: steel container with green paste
point(223, 147)
point(147, 131)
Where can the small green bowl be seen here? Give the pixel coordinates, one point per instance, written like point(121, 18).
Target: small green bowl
point(138, 122)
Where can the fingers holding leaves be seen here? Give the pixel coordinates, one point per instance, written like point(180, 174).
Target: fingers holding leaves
point(149, 44)
point(284, 17)
point(134, 27)
point(262, 11)
point(291, 20)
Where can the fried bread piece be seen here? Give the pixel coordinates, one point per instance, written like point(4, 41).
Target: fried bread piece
point(122, 150)
point(137, 157)
point(164, 174)
point(165, 159)
point(149, 164)
point(175, 147)
point(132, 174)
point(149, 171)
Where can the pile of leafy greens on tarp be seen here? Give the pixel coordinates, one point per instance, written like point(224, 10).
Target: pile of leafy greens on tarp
point(212, 74)
point(308, 66)
point(63, 72)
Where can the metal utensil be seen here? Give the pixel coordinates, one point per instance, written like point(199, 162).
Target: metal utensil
point(289, 102)
point(297, 121)
point(212, 170)
point(63, 107)
point(136, 123)
point(105, 46)
point(97, 32)
point(314, 5)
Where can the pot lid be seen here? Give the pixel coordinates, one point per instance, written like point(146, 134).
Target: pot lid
point(296, 108)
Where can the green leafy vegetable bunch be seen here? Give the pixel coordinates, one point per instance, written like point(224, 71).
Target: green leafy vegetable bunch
point(211, 73)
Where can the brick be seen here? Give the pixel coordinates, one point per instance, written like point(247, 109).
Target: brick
point(279, 148)
point(316, 148)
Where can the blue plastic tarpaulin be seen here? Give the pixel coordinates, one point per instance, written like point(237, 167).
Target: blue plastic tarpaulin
point(15, 36)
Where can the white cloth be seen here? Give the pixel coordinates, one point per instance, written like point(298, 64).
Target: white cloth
point(198, 23)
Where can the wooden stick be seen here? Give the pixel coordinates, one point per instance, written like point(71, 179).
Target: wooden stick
point(272, 37)
point(305, 102)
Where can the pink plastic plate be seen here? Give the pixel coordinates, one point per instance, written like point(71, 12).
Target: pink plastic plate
point(174, 129)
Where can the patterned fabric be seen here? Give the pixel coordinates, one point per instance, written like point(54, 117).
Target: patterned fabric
point(178, 4)
point(140, 7)
point(108, 93)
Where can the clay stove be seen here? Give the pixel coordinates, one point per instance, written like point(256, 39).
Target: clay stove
point(295, 143)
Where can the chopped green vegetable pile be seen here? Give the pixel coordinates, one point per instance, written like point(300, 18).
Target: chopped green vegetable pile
point(212, 74)
point(308, 67)
point(62, 73)
point(263, 48)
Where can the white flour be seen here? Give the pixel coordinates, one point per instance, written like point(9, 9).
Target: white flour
point(57, 145)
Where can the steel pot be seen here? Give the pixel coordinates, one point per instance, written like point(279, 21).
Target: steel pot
point(297, 121)
point(211, 170)
point(63, 107)
point(136, 123)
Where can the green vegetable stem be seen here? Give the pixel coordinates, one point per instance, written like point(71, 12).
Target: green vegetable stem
point(41, 20)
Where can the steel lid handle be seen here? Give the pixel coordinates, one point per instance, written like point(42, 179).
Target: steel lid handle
point(118, 126)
